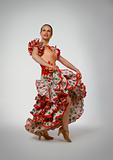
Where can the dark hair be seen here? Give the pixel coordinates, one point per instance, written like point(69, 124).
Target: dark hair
point(49, 26)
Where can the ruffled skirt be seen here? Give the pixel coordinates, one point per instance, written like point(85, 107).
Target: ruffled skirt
point(51, 100)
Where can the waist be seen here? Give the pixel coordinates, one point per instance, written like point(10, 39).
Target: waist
point(46, 70)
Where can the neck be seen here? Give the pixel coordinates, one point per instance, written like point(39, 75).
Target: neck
point(45, 42)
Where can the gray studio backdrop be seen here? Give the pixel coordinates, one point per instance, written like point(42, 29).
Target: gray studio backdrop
point(83, 31)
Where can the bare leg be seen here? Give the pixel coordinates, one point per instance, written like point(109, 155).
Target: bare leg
point(65, 119)
point(64, 129)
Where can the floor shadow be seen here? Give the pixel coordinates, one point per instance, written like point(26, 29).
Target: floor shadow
point(81, 131)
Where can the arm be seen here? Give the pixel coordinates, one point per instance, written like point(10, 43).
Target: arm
point(66, 63)
point(38, 59)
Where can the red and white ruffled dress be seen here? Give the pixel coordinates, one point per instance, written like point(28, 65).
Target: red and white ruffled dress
point(51, 99)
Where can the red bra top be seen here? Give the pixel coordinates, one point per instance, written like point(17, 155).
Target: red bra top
point(36, 43)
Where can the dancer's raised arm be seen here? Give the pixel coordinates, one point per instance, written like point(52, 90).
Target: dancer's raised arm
point(66, 63)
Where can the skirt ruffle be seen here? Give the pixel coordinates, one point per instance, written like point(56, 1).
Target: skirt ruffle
point(51, 100)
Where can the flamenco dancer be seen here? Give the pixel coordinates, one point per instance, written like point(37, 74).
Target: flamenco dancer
point(60, 92)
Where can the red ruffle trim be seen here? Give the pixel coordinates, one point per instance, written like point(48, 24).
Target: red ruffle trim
point(58, 52)
point(35, 43)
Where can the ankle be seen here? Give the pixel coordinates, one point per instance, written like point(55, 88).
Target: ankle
point(65, 128)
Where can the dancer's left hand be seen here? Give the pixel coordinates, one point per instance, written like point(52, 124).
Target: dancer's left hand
point(77, 70)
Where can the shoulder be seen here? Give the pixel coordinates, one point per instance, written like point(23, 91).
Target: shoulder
point(31, 44)
point(35, 44)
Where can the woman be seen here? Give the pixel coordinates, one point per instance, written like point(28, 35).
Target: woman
point(60, 92)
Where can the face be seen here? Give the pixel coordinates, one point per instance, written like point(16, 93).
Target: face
point(46, 33)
